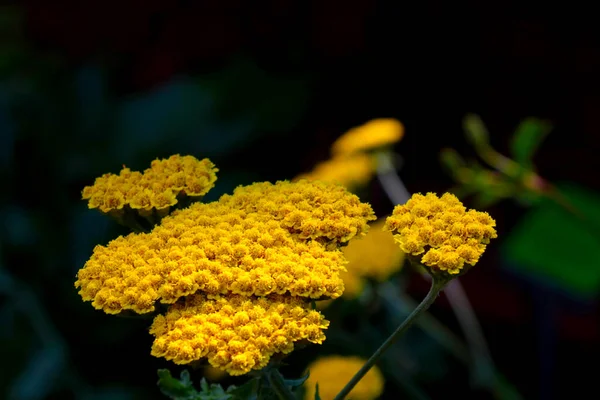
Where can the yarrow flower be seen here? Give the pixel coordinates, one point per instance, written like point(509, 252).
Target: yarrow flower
point(265, 244)
point(440, 233)
point(159, 187)
point(372, 135)
point(235, 333)
point(350, 171)
point(333, 372)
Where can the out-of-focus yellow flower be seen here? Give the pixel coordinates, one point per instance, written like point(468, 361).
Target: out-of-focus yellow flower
point(441, 232)
point(263, 239)
point(214, 374)
point(350, 171)
point(235, 333)
point(159, 187)
point(369, 136)
point(333, 372)
point(376, 255)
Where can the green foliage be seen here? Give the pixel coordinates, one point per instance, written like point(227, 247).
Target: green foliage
point(183, 388)
point(526, 140)
point(317, 396)
point(258, 387)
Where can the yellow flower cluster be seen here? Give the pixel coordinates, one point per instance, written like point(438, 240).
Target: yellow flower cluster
point(158, 187)
point(269, 247)
point(376, 255)
point(441, 231)
point(350, 171)
point(333, 372)
point(235, 333)
point(369, 136)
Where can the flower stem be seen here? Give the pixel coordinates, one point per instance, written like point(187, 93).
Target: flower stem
point(434, 291)
point(276, 381)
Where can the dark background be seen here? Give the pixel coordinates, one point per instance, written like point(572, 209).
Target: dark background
point(263, 89)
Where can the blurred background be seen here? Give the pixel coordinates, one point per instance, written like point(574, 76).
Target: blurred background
point(263, 89)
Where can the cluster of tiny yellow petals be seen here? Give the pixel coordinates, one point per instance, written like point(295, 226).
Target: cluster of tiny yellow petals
point(308, 209)
point(333, 372)
point(371, 135)
point(252, 243)
point(158, 187)
point(235, 333)
point(441, 231)
point(351, 171)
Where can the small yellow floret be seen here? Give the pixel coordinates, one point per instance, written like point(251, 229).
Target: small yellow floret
point(333, 372)
point(442, 231)
point(372, 135)
point(235, 333)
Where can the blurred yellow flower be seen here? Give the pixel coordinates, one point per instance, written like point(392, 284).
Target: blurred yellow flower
point(369, 136)
point(350, 171)
point(159, 187)
point(333, 372)
point(376, 255)
point(441, 232)
point(235, 333)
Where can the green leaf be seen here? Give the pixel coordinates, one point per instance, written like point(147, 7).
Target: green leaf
point(475, 130)
point(248, 391)
point(451, 160)
point(296, 383)
point(527, 138)
point(317, 396)
point(176, 389)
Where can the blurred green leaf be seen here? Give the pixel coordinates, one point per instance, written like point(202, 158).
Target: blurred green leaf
point(554, 246)
point(296, 383)
point(317, 396)
point(451, 160)
point(247, 391)
point(176, 389)
point(527, 138)
point(475, 130)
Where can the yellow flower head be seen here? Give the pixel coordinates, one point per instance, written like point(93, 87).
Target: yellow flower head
point(157, 188)
point(350, 171)
point(333, 372)
point(235, 333)
point(441, 232)
point(263, 239)
point(373, 134)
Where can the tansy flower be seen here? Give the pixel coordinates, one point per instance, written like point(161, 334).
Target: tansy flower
point(350, 171)
point(235, 333)
point(372, 135)
point(263, 239)
point(159, 187)
point(440, 232)
point(333, 372)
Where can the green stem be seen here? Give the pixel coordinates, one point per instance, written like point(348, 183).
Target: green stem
point(434, 291)
point(276, 381)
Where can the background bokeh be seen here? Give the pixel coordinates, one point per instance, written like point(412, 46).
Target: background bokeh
point(263, 89)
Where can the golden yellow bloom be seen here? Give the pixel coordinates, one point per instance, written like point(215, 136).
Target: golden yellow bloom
point(157, 188)
point(441, 231)
point(263, 239)
point(371, 135)
point(350, 171)
point(235, 333)
point(333, 372)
